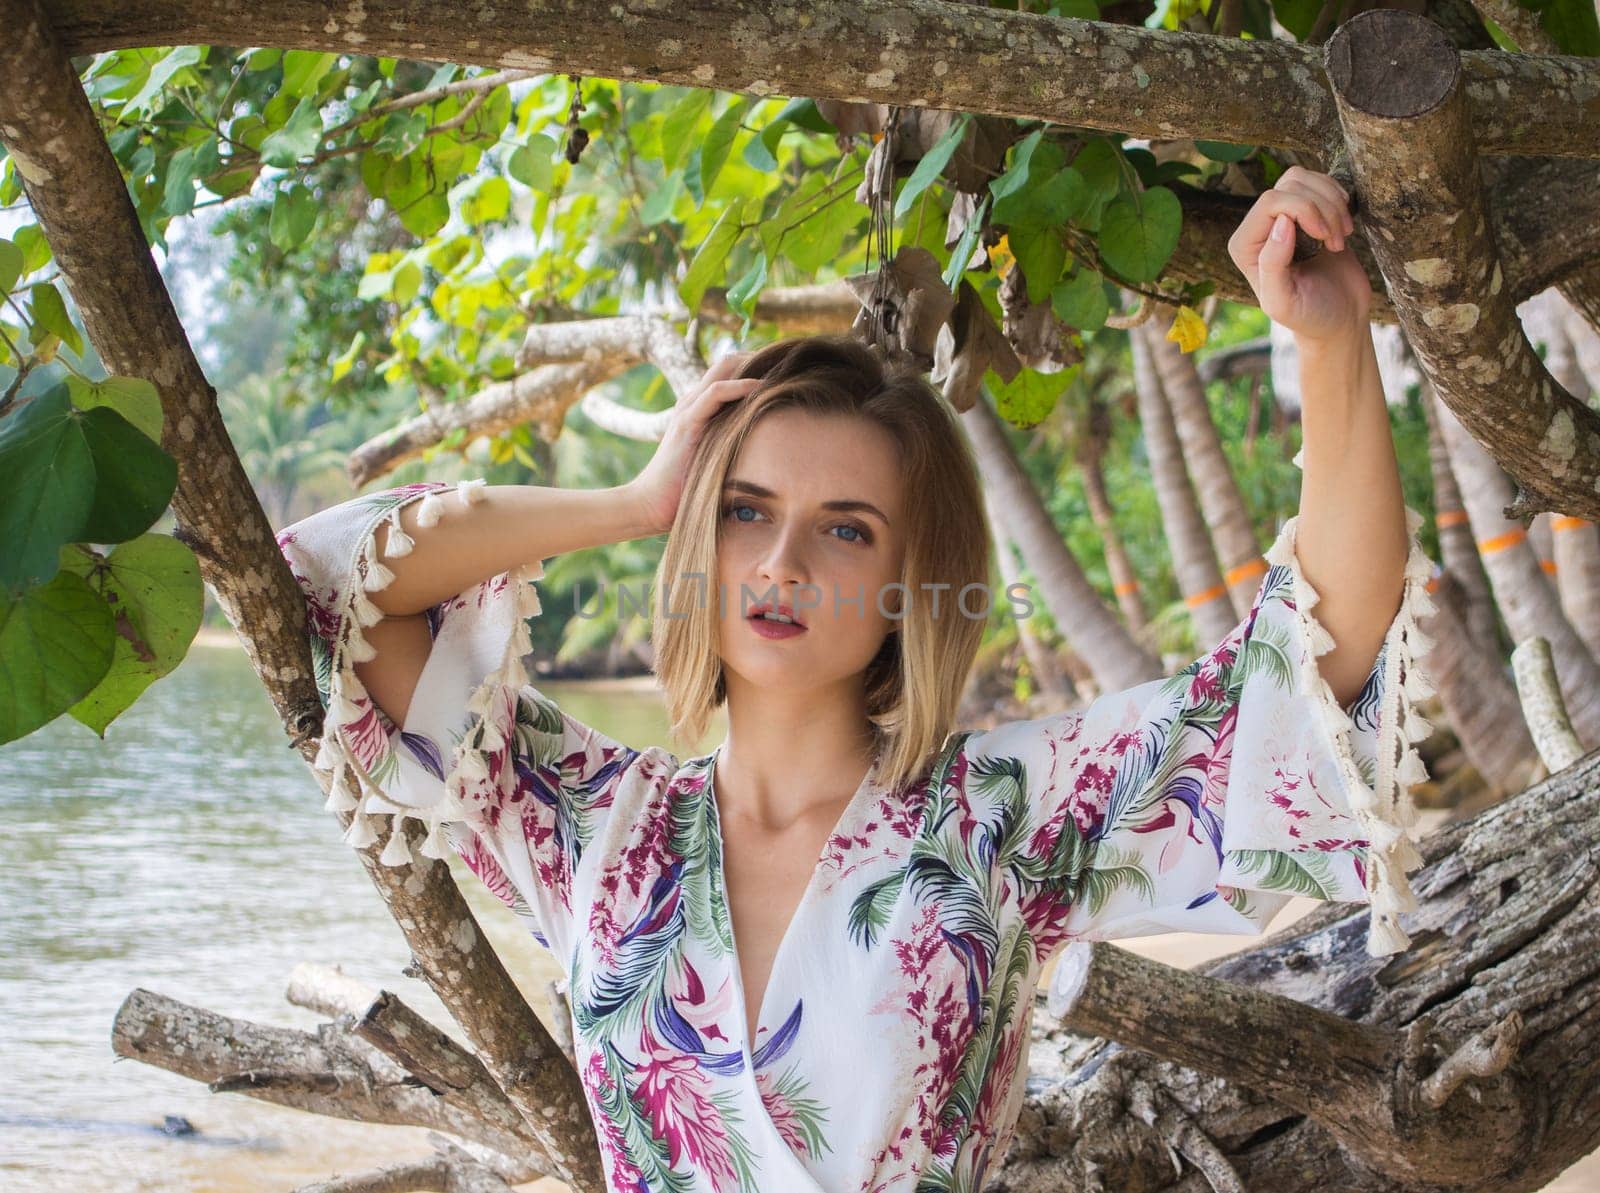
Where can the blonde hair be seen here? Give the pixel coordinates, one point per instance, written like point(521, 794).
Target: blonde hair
point(914, 684)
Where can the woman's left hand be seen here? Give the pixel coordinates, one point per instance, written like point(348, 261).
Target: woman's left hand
point(1324, 297)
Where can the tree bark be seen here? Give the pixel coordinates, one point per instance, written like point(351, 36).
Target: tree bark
point(1232, 529)
point(1049, 676)
point(1411, 145)
point(1525, 597)
point(1480, 701)
point(1509, 922)
point(77, 191)
point(1194, 560)
point(1091, 629)
point(1458, 550)
point(913, 52)
point(1092, 443)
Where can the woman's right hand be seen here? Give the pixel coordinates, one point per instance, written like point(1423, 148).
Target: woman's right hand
point(659, 486)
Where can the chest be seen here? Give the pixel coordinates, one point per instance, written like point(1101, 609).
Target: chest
point(768, 875)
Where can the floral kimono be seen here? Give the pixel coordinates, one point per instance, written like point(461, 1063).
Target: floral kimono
point(892, 1041)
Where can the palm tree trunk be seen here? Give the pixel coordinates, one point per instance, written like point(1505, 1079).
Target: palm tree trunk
point(1091, 454)
point(1048, 674)
point(1090, 628)
point(1479, 698)
point(1575, 549)
point(1457, 550)
point(1524, 594)
point(1232, 528)
point(1194, 562)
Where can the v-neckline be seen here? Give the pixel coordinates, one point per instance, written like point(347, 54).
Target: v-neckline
point(846, 816)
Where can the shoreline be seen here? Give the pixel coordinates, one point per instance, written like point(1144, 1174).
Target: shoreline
point(223, 638)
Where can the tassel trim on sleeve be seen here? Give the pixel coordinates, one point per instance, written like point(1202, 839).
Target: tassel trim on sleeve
point(472, 762)
point(1385, 810)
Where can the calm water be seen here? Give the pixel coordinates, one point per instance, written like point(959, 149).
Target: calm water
point(188, 853)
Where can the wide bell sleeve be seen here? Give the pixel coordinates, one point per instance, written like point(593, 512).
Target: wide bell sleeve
point(1205, 800)
point(491, 766)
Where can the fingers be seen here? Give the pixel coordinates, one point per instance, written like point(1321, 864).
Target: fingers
point(714, 395)
point(725, 366)
point(1314, 210)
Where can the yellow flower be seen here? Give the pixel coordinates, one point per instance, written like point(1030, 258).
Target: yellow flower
point(1000, 256)
point(1188, 329)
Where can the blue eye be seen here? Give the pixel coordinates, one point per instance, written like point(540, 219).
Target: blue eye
point(861, 537)
point(734, 508)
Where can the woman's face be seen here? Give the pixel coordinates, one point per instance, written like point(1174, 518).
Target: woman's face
point(811, 517)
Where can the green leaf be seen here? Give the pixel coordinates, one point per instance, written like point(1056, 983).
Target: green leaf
point(1137, 237)
point(426, 215)
point(401, 133)
point(712, 255)
point(1029, 397)
point(10, 265)
point(407, 283)
point(49, 314)
point(178, 193)
point(299, 137)
point(718, 142)
point(1575, 26)
point(677, 130)
point(933, 161)
point(56, 642)
point(533, 164)
point(134, 478)
point(1099, 165)
point(1080, 300)
point(303, 70)
point(658, 204)
point(36, 252)
point(160, 73)
point(152, 587)
point(46, 486)
point(966, 246)
point(1042, 257)
point(761, 152)
point(743, 293)
point(132, 397)
point(484, 200)
point(1060, 197)
point(1224, 151)
point(294, 214)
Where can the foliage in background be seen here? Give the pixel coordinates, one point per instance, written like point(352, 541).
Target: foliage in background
point(385, 232)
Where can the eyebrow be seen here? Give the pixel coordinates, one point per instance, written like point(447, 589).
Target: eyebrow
point(755, 490)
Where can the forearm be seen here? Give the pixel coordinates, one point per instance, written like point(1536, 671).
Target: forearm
point(1351, 537)
point(513, 525)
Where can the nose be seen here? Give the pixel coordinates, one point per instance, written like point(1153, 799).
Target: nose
point(783, 565)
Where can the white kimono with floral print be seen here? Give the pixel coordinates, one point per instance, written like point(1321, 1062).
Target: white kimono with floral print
point(893, 1033)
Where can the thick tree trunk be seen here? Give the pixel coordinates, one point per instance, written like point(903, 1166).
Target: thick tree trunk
point(1411, 145)
point(1194, 561)
point(1232, 528)
point(1091, 629)
point(77, 191)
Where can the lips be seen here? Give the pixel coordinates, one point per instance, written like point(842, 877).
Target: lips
point(769, 607)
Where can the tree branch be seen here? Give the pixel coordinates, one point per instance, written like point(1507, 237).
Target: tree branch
point(1410, 142)
point(1356, 1079)
point(1125, 78)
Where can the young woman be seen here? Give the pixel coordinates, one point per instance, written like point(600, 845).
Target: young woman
point(807, 960)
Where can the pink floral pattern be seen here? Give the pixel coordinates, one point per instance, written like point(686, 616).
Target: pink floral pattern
point(893, 1044)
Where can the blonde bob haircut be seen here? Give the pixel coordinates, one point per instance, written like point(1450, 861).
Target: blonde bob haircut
point(914, 683)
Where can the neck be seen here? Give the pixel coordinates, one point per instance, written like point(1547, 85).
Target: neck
point(787, 753)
